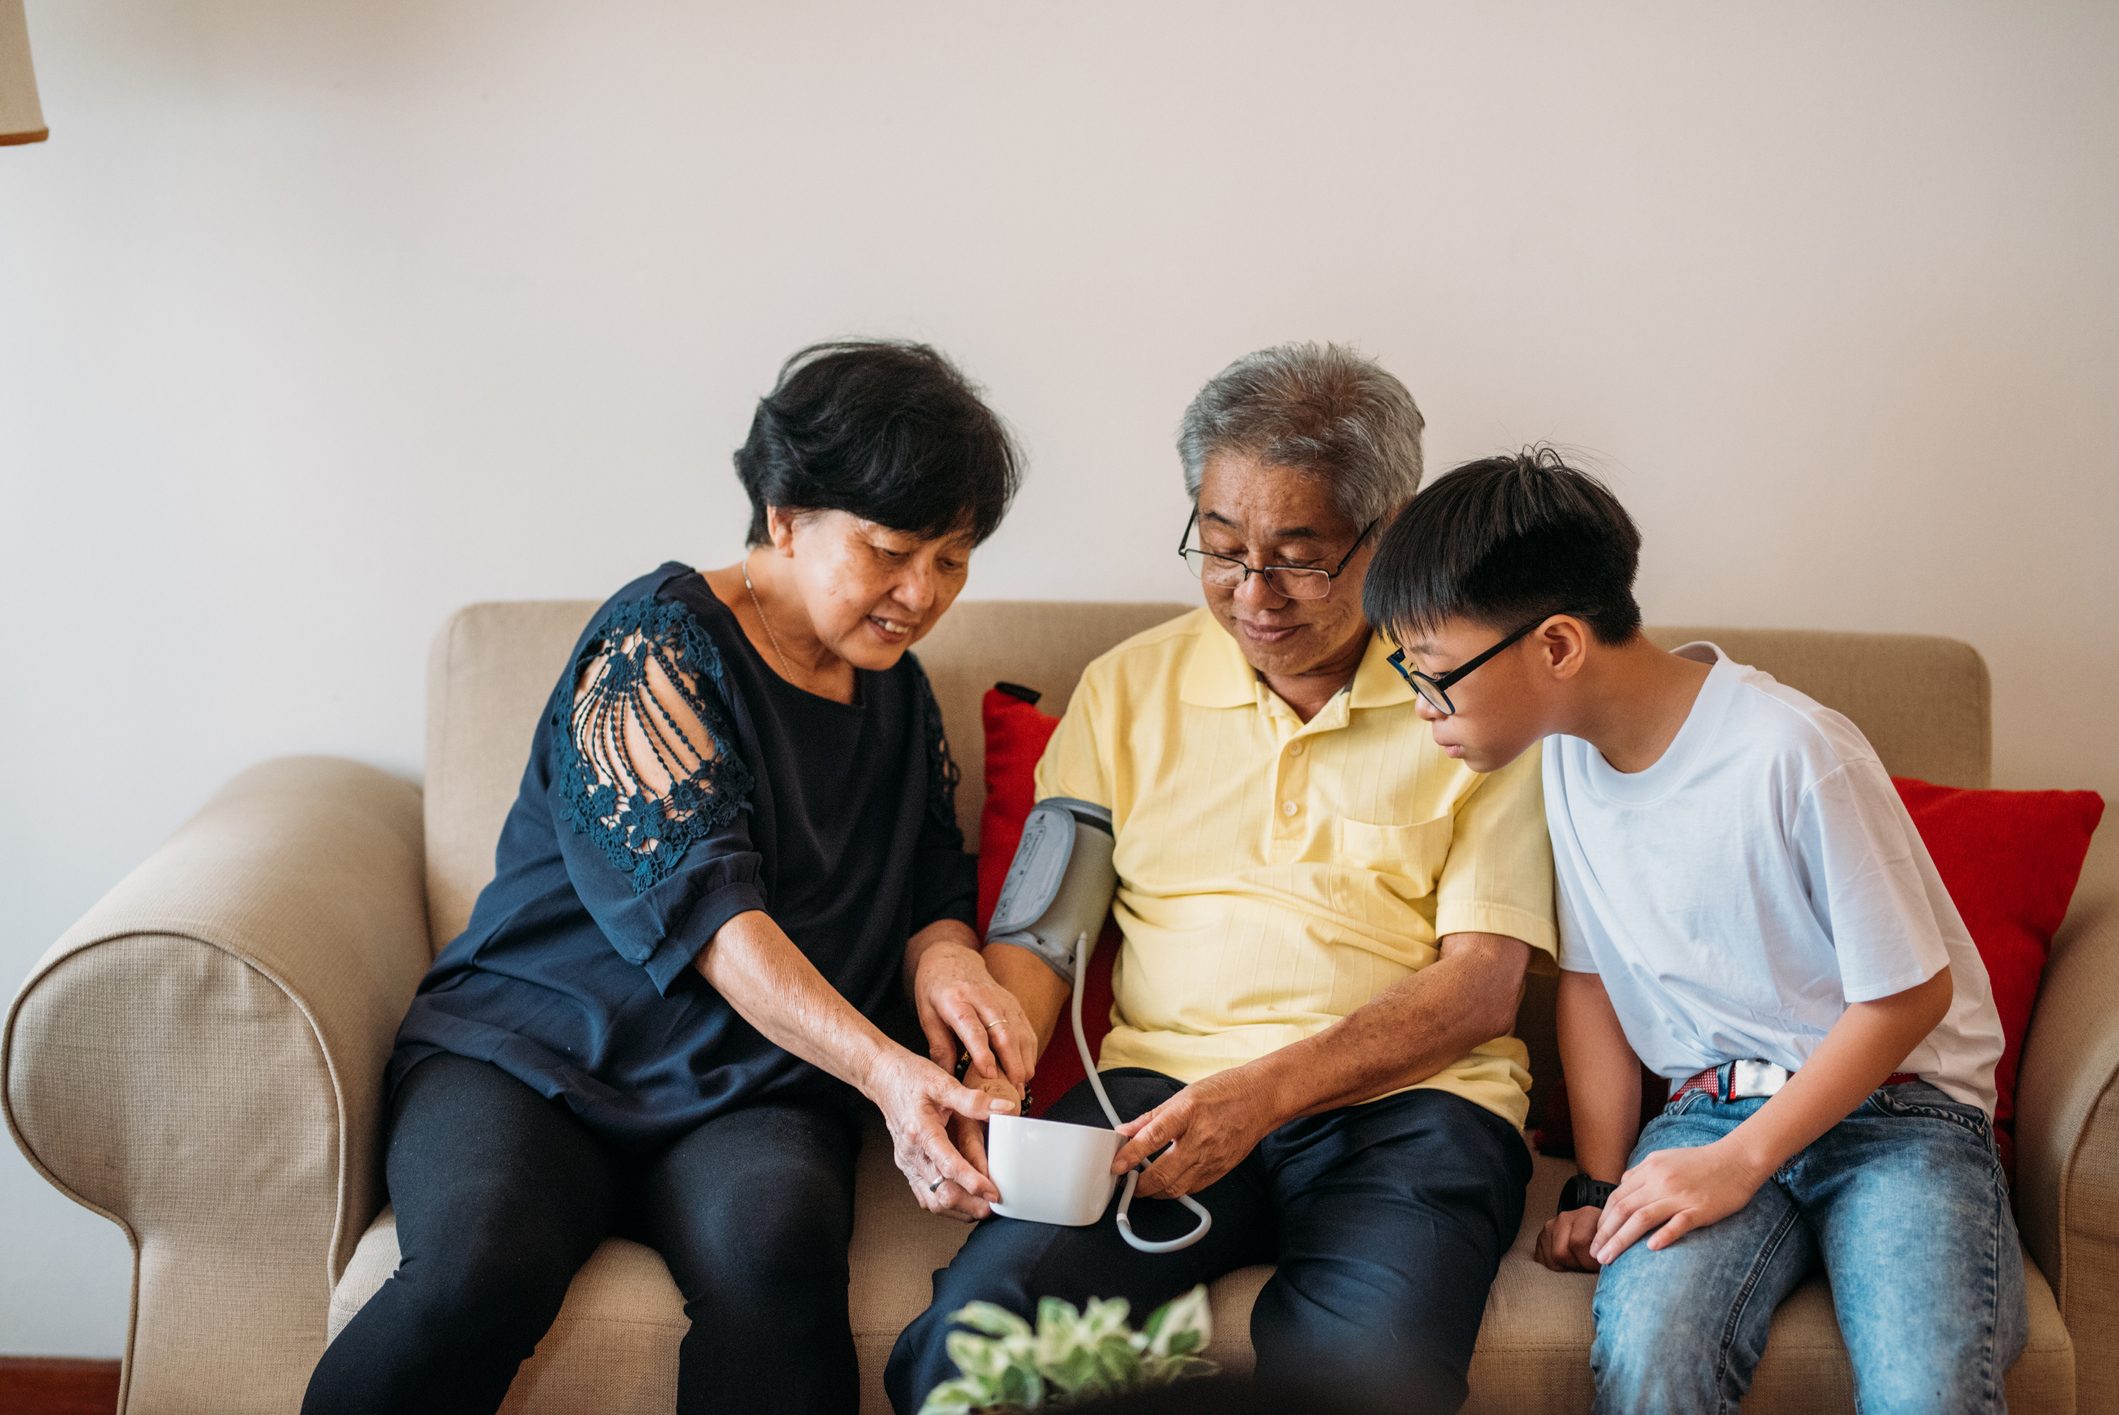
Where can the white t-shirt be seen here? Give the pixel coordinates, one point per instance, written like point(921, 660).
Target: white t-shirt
point(1761, 875)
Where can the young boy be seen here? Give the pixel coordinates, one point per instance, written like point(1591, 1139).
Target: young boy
point(1745, 906)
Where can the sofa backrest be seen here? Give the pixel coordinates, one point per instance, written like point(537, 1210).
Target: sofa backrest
point(1923, 702)
point(492, 666)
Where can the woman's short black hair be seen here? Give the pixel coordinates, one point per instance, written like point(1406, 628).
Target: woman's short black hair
point(888, 431)
point(1505, 541)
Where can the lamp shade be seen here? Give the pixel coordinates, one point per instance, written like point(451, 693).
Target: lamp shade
point(21, 120)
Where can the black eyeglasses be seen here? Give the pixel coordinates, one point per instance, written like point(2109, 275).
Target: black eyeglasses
point(1287, 581)
point(1434, 691)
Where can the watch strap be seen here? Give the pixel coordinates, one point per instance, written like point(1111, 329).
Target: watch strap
point(1582, 1192)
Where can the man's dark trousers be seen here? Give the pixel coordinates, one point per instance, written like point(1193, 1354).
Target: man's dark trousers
point(1386, 1220)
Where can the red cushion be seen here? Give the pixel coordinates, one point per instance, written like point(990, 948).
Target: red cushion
point(1016, 733)
point(2010, 860)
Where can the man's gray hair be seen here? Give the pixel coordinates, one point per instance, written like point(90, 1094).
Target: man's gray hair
point(1322, 408)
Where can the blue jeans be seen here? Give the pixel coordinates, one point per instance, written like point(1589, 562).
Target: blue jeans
point(1387, 1220)
point(1904, 1205)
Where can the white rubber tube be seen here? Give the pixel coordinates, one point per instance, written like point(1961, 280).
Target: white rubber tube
point(1082, 946)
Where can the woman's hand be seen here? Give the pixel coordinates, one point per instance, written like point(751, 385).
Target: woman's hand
point(919, 1102)
point(962, 1008)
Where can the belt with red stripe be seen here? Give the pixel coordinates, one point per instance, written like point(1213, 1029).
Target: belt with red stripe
point(1743, 1080)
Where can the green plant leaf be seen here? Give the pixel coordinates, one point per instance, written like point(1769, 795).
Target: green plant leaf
point(1186, 1318)
point(1120, 1362)
point(957, 1397)
point(1103, 1316)
point(1069, 1355)
point(976, 1356)
point(1059, 1330)
point(1157, 1319)
point(992, 1320)
point(1022, 1386)
point(1054, 1315)
point(1073, 1370)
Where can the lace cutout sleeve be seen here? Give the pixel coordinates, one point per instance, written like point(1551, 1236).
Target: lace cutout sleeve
point(642, 762)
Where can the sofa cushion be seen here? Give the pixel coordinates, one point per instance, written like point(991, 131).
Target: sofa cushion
point(614, 1346)
point(1014, 731)
point(2010, 860)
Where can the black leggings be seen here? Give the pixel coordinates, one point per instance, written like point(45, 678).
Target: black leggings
point(502, 1195)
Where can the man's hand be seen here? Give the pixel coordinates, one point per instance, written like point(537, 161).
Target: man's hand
point(1565, 1242)
point(1672, 1192)
point(1209, 1126)
point(969, 1136)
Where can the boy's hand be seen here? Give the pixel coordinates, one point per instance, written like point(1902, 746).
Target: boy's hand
point(1564, 1243)
point(1672, 1192)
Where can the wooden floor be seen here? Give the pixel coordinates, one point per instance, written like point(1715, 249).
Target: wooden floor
point(38, 1385)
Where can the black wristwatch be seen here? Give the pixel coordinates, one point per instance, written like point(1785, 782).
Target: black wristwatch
point(1582, 1192)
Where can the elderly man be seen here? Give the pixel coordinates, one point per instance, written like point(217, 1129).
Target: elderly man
point(1326, 925)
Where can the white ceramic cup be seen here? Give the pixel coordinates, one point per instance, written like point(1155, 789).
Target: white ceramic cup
point(1049, 1171)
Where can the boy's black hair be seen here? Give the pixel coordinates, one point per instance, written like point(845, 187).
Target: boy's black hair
point(1505, 541)
point(888, 431)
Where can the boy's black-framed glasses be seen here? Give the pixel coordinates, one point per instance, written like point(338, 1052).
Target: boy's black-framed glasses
point(1434, 689)
point(1287, 581)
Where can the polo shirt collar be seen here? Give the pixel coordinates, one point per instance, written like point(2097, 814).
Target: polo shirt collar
point(1376, 683)
point(1217, 675)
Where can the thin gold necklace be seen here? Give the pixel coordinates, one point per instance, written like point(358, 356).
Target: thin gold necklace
point(778, 652)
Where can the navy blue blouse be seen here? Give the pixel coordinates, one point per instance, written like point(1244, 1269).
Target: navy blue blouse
point(614, 871)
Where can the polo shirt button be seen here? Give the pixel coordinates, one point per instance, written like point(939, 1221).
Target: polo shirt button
point(1296, 750)
point(1288, 808)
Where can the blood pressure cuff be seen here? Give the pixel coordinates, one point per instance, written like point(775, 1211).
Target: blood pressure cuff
point(1059, 885)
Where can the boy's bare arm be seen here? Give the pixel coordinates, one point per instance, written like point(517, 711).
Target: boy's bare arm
point(1603, 1077)
point(1604, 1103)
point(1672, 1192)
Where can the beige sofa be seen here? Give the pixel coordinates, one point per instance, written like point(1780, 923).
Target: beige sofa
point(199, 1059)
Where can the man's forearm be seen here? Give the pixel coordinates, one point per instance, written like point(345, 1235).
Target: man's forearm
point(1043, 993)
point(1414, 1029)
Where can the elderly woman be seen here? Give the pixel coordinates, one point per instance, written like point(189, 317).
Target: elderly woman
point(733, 861)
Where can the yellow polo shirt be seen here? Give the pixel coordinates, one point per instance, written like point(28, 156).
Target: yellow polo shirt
point(1275, 875)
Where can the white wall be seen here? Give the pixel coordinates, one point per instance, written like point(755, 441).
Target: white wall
point(318, 320)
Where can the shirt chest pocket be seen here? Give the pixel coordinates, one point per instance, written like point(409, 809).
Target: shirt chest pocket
point(1409, 857)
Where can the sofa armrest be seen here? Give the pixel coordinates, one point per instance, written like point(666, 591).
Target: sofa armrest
point(2067, 1124)
point(200, 1061)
